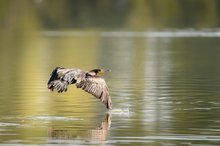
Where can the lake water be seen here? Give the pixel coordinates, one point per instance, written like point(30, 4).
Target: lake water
point(165, 88)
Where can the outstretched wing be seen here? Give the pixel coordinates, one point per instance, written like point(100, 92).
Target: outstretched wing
point(98, 88)
point(61, 78)
point(59, 85)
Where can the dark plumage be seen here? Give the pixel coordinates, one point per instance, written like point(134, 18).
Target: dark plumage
point(90, 81)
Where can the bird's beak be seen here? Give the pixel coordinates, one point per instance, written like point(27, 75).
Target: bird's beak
point(104, 71)
point(107, 70)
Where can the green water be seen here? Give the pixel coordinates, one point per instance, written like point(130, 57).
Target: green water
point(164, 80)
point(165, 90)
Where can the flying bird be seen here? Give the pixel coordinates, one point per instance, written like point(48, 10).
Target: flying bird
point(90, 81)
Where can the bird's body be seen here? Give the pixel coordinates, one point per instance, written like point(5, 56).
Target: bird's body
point(90, 81)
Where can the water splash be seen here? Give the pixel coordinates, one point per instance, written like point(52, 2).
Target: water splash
point(120, 111)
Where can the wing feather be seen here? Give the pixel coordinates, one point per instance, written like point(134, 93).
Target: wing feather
point(98, 88)
point(62, 77)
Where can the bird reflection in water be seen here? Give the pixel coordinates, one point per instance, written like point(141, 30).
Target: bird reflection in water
point(100, 133)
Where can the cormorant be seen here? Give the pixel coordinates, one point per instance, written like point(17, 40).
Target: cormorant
point(90, 81)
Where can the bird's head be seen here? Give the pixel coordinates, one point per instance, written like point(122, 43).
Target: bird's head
point(95, 72)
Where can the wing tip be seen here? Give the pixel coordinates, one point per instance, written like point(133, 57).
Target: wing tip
point(109, 107)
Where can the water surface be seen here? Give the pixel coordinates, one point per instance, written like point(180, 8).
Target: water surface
point(164, 88)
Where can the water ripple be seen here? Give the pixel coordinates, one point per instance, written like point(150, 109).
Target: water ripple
point(176, 137)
